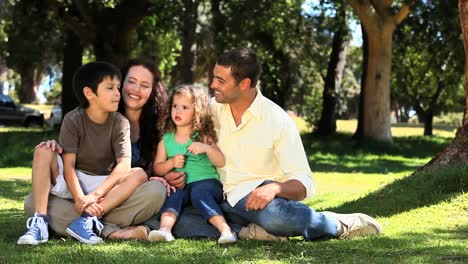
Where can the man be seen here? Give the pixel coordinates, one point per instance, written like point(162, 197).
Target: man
point(266, 171)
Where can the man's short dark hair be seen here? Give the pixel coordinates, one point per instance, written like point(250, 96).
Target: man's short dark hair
point(244, 64)
point(91, 75)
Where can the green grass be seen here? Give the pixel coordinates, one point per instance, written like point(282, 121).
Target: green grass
point(424, 215)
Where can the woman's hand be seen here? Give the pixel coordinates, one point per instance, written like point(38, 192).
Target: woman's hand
point(169, 188)
point(50, 144)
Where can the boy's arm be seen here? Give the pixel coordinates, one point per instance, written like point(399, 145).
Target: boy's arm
point(120, 170)
point(162, 165)
point(81, 200)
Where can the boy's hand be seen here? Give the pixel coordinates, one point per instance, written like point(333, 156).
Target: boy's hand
point(178, 161)
point(198, 148)
point(82, 202)
point(169, 188)
point(50, 144)
point(94, 209)
point(176, 179)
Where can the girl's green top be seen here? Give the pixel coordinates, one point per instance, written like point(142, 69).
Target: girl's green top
point(196, 167)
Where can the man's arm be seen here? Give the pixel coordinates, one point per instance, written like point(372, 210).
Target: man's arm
point(289, 151)
point(263, 195)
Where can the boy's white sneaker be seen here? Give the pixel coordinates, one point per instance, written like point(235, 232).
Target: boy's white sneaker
point(37, 231)
point(227, 238)
point(160, 235)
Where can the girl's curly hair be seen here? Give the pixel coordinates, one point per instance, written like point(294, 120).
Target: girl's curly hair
point(202, 122)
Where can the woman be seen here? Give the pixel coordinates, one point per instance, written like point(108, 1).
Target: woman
point(143, 102)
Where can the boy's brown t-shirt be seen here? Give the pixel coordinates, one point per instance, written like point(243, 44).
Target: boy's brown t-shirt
point(97, 146)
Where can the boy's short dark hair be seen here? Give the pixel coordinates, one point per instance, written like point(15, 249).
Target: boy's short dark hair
point(91, 75)
point(244, 64)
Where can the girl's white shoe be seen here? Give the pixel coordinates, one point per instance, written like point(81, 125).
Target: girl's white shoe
point(160, 235)
point(227, 238)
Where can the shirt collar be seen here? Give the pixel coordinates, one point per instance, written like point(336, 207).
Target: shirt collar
point(256, 107)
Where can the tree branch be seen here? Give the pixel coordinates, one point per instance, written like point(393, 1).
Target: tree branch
point(364, 10)
point(402, 14)
point(84, 12)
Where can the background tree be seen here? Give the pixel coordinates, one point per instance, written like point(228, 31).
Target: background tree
point(379, 21)
point(427, 74)
point(336, 64)
point(457, 151)
point(33, 42)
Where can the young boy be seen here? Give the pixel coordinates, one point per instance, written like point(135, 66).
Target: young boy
point(94, 167)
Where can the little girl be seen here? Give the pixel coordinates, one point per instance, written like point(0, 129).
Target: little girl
point(189, 145)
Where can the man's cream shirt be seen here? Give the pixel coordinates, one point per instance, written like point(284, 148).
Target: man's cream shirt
point(265, 146)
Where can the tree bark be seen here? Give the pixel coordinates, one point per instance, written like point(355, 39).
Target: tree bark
point(332, 86)
point(457, 151)
point(72, 59)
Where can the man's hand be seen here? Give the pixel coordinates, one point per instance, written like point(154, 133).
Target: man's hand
point(50, 144)
point(262, 196)
point(176, 179)
point(198, 148)
point(82, 202)
point(169, 188)
point(178, 161)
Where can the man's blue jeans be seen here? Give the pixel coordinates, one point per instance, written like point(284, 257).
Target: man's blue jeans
point(281, 217)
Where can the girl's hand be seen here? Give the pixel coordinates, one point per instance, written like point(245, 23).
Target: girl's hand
point(50, 144)
point(198, 148)
point(169, 188)
point(178, 161)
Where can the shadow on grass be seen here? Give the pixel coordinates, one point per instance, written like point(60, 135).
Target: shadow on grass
point(18, 146)
point(417, 190)
point(14, 189)
point(341, 153)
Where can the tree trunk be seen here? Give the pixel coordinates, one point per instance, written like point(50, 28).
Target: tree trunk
point(72, 59)
point(332, 87)
point(379, 21)
point(185, 63)
point(365, 55)
point(112, 44)
point(428, 121)
point(457, 151)
point(377, 95)
point(27, 92)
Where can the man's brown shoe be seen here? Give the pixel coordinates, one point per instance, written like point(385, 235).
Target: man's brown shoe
point(256, 232)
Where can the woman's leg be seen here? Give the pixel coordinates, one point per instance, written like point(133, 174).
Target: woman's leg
point(145, 202)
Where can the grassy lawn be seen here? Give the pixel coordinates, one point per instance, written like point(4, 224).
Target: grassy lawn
point(424, 216)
